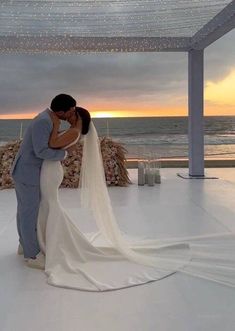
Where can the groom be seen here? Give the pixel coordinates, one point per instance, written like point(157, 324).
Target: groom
point(26, 175)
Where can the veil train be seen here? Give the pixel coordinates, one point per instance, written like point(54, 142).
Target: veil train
point(211, 257)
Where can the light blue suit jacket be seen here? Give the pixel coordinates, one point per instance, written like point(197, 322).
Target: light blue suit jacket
point(34, 149)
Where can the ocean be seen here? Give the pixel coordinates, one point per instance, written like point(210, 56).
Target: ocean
point(162, 136)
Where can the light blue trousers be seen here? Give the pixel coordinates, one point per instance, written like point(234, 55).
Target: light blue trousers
point(28, 200)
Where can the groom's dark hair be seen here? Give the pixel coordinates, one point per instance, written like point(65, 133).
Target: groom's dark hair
point(62, 102)
point(85, 117)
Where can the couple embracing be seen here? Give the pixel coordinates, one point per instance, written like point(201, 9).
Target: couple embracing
point(108, 259)
point(42, 142)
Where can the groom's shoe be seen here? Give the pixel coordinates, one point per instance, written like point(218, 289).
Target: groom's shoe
point(37, 263)
point(20, 250)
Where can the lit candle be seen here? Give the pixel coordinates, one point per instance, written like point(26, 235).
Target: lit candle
point(157, 176)
point(141, 178)
point(146, 170)
point(151, 177)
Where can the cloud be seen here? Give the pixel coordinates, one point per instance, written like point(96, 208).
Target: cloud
point(29, 82)
point(220, 58)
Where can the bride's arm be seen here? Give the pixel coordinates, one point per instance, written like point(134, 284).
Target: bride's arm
point(61, 140)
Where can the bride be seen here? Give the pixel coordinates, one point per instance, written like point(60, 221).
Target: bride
point(110, 260)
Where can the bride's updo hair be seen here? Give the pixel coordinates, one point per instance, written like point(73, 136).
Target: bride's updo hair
point(86, 118)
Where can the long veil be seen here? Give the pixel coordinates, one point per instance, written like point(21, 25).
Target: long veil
point(211, 257)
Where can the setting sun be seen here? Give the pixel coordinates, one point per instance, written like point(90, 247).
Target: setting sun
point(100, 114)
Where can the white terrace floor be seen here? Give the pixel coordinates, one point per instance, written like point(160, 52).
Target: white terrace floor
point(177, 207)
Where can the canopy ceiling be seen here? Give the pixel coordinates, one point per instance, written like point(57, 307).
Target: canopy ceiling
point(118, 25)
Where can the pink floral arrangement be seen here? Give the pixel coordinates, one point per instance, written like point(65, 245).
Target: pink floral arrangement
point(113, 158)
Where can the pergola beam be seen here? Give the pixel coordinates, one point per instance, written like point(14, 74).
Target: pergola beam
point(68, 44)
point(216, 28)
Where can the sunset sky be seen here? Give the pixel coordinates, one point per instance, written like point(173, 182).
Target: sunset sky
point(117, 84)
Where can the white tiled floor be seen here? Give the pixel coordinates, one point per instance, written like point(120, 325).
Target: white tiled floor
point(177, 207)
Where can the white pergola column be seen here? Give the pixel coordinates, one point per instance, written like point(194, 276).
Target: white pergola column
point(195, 109)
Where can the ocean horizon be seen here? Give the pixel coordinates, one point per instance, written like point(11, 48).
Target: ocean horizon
point(162, 136)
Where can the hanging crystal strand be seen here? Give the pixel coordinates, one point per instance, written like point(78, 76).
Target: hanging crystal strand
point(151, 170)
point(21, 131)
point(141, 167)
point(107, 128)
point(146, 166)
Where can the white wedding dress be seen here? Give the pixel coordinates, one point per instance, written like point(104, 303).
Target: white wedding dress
point(80, 261)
